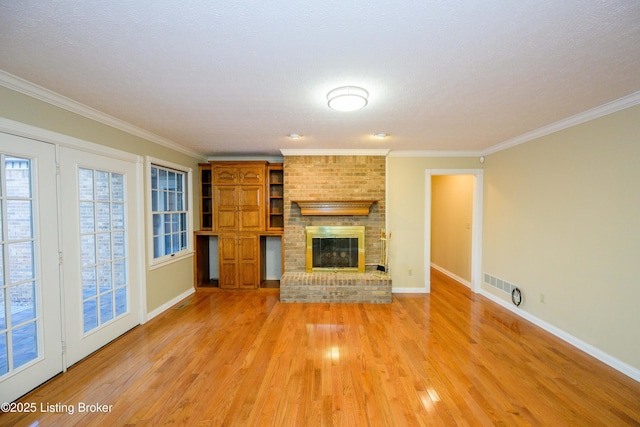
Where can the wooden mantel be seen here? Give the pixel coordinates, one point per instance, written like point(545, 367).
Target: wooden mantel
point(334, 207)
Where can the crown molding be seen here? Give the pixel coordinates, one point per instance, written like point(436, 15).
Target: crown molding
point(271, 159)
point(435, 153)
point(328, 152)
point(600, 111)
point(38, 92)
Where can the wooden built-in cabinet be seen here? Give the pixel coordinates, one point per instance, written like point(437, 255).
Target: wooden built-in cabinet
point(241, 204)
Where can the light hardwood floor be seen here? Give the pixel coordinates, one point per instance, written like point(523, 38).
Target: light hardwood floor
point(245, 359)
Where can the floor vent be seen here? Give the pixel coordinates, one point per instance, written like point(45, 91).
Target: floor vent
point(183, 305)
point(498, 283)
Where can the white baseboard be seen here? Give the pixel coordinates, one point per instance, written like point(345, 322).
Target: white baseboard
point(164, 307)
point(606, 358)
point(451, 275)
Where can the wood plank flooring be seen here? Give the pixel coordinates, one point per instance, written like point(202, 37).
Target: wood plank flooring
point(245, 359)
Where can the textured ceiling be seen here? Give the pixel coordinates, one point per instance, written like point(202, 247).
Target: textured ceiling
point(236, 77)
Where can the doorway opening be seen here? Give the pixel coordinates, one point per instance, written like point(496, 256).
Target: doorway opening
point(464, 231)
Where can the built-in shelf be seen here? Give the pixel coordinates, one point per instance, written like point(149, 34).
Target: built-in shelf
point(334, 207)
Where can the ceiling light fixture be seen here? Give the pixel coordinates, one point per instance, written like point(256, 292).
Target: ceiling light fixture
point(294, 136)
point(347, 98)
point(380, 135)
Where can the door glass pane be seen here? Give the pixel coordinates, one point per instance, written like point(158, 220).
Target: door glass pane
point(23, 306)
point(103, 243)
point(4, 359)
point(21, 262)
point(19, 219)
point(25, 345)
point(20, 322)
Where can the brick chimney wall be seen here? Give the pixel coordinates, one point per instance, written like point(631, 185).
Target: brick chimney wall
point(332, 178)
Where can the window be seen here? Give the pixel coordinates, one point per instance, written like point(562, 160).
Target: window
point(170, 210)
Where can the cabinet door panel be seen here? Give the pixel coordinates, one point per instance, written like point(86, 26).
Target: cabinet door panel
point(248, 262)
point(228, 256)
point(226, 212)
point(226, 197)
point(251, 208)
point(252, 174)
point(225, 175)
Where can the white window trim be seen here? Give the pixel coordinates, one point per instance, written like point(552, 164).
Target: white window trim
point(154, 263)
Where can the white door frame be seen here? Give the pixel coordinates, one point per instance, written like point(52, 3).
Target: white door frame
point(476, 224)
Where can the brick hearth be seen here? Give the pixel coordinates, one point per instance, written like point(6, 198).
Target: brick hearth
point(335, 287)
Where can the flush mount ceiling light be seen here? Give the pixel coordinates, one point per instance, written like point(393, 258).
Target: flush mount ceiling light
point(295, 136)
point(380, 135)
point(347, 98)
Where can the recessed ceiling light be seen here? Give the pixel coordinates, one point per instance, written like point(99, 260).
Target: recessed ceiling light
point(380, 135)
point(295, 136)
point(347, 98)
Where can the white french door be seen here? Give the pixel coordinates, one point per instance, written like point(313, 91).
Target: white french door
point(30, 326)
point(101, 250)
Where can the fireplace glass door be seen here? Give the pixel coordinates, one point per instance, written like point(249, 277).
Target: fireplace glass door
point(335, 248)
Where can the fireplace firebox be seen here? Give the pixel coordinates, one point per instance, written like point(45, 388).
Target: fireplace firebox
point(335, 248)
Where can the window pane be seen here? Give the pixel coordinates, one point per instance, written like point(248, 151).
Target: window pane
point(179, 182)
point(158, 248)
point(85, 182)
point(106, 307)
point(154, 178)
point(25, 344)
point(21, 265)
point(88, 249)
point(104, 216)
point(90, 314)
point(23, 303)
point(1, 233)
point(89, 283)
point(154, 201)
point(172, 203)
point(87, 219)
point(102, 185)
point(118, 244)
point(4, 360)
point(167, 244)
point(104, 277)
point(117, 187)
point(18, 177)
point(175, 243)
point(19, 219)
point(3, 314)
point(117, 216)
point(104, 247)
point(119, 273)
point(171, 178)
point(157, 224)
point(1, 265)
point(162, 182)
point(167, 223)
point(121, 301)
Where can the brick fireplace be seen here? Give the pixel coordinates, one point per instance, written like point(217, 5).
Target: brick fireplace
point(334, 178)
